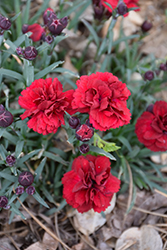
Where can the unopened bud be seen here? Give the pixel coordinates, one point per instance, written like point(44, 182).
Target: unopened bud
point(26, 178)
point(146, 26)
point(149, 75)
point(30, 53)
point(122, 9)
point(30, 190)
point(84, 148)
point(10, 160)
point(84, 133)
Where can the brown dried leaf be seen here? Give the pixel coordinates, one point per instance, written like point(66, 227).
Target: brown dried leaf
point(144, 238)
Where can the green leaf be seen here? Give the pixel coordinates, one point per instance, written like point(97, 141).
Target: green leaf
point(55, 158)
point(125, 142)
point(106, 146)
point(55, 210)
point(15, 210)
point(26, 12)
point(17, 205)
point(28, 156)
point(11, 74)
point(92, 31)
point(102, 152)
point(47, 70)
point(40, 200)
point(18, 20)
point(19, 148)
point(75, 6)
point(39, 169)
point(8, 176)
point(12, 199)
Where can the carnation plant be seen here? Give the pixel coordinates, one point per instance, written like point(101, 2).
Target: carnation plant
point(111, 124)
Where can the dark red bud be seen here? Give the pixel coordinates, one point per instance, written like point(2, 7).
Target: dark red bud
point(74, 122)
point(6, 117)
point(30, 190)
point(10, 160)
point(150, 108)
point(5, 23)
point(149, 75)
point(163, 67)
point(84, 133)
point(19, 190)
point(49, 39)
point(146, 26)
point(84, 148)
point(30, 53)
point(19, 51)
point(47, 14)
point(122, 9)
point(26, 178)
point(24, 28)
point(56, 26)
point(3, 201)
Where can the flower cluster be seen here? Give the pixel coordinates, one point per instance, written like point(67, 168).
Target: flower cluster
point(151, 127)
point(103, 97)
point(90, 185)
point(53, 26)
point(25, 179)
point(29, 53)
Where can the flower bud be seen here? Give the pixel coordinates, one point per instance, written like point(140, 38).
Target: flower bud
point(26, 178)
point(146, 26)
point(46, 15)
point(5, 23)
point(150, 108)
point(30, 53)
point(56, 26)
point(84, 148)
point(98, 10)
point(3, 201)
point(84, 133)
point(74, 122)
point(25, 28)
point(30, 190)
point(149, 75)
point(6, 117)
point(49, 39)
point(122, 9)
point(163, 67)
point(19, 190)
point(10, 160)
point(19, 51)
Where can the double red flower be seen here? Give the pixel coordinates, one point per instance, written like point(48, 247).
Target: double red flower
point(45, 104)
point(90, 184)
point(103, 97)
point(151, 127)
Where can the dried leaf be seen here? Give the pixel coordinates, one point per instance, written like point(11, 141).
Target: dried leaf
point(144, 238)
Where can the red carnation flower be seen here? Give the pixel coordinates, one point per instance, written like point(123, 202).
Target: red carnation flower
point(46, 104)
point(36, 29)
point(114, 4)
point(90, 184)
point(151, 127)
point(104, 97)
